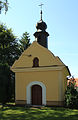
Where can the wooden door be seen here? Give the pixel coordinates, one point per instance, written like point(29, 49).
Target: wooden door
point(36, 95)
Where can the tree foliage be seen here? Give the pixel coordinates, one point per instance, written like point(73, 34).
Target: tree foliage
point(24, 41)
point(71, 94)
point(5, 83)
point(9, 50)
point(3, 5)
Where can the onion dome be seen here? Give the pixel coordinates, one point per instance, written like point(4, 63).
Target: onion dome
point(41, 25)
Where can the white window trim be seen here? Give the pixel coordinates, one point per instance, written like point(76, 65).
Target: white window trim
point(28, 89)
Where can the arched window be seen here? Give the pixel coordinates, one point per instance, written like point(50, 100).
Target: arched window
point(36, 62)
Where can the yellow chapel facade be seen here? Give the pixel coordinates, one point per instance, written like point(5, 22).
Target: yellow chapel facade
point(40, 76)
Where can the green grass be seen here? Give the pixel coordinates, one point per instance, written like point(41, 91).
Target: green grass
point(44, 113)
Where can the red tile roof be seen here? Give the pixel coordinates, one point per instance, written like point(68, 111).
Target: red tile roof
point(76, 79)
point(73, 80)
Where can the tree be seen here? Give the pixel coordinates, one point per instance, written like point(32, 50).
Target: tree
point(3, 5)
point(5, 83)
point(9, 52)
point(24, 41)
point(9, 48)
point(71, 94)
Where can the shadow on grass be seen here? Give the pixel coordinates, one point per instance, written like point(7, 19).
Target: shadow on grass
point(45, 113)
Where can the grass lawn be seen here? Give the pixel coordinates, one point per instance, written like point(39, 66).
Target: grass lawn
point(44, 113)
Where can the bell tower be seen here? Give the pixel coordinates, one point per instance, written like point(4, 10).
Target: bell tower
point(41, 35)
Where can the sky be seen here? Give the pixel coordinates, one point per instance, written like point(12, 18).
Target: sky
point(61, 17)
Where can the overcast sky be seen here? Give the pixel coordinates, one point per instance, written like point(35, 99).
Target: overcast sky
point(61, 17)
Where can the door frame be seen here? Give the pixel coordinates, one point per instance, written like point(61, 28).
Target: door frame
point(28, 92)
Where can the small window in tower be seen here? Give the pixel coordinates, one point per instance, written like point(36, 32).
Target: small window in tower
point(36, 62)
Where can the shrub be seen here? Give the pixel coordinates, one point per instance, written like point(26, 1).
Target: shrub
point(71, 94)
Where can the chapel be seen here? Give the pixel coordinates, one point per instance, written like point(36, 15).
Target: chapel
point(40, 76)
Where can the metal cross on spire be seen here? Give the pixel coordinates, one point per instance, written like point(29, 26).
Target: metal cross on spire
point(41, 10)
point(41, 6)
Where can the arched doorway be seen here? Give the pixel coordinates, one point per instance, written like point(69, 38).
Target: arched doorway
point(29, 94)
point(36, 95)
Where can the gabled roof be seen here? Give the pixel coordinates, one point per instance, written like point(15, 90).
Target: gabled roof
point(46, 58)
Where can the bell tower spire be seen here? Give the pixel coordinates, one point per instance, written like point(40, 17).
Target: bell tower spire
point(41, 10)
point(41, 14)
point(41, 34)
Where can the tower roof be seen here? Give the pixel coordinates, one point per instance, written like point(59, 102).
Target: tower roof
point(41, 34)
point(41, 25)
